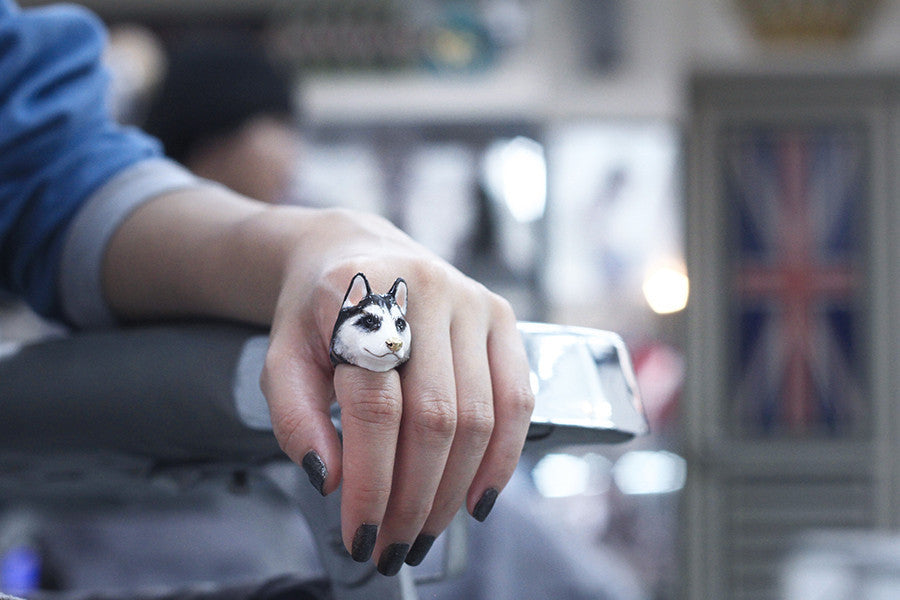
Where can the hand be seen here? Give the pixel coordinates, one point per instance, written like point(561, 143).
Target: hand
point(445, 429)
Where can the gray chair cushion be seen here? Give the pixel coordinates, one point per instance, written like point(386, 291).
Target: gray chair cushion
point(163, 391)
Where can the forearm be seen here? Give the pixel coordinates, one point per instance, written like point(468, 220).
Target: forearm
point(207, 251)
point(202, 251)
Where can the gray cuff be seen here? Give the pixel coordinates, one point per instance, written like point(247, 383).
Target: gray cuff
point(80, 285)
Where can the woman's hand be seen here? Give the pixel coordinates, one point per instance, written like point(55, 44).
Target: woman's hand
point(443, 430)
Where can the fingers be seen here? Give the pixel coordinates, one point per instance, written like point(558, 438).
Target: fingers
point(452, 448)
point(299, 394)
point(474, 424)
point(513, 404)
point(371, 408)
point(444, 431)
point(427, 432)
point(395, 458)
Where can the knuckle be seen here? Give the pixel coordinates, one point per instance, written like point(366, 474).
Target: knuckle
point(375, 407)
point(337, 274)
point(366, 494)
point(476, 420)
point(410, 511)
point(287, 428)
point(272, 365)
point(435, 417)
point(501, 308)
point(520, 402)
point(429, 275)
point(477, 299)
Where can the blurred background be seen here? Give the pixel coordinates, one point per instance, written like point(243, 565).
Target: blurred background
point(712, 179)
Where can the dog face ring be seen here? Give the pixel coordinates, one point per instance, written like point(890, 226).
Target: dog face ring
point(371, 329)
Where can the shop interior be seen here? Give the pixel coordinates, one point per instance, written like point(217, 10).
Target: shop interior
point(601, 164)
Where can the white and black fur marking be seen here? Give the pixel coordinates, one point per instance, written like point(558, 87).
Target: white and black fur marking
point(371, 330)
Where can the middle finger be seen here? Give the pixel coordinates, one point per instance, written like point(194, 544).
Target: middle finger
point(426, 434)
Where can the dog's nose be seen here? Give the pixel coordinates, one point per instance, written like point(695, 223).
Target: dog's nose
point(394, 344)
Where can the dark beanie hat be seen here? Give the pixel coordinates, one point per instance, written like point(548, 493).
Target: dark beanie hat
point(212, 86)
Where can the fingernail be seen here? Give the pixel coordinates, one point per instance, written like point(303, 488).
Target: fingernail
point(419, 549)
point(391, 559)
point(363, 542)
point(485, 504)
point(315, 470)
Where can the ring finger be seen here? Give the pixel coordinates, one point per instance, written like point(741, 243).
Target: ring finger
point(475, 421)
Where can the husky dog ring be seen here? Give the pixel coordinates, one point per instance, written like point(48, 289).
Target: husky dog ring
point(371, 329)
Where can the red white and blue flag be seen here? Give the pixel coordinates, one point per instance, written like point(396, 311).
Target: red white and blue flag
point(796, 199)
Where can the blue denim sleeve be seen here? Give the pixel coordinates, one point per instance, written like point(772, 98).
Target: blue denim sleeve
point(58, 143)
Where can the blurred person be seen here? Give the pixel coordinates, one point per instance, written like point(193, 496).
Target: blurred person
point(97, 228)
point(135, 58)
point(225, 110)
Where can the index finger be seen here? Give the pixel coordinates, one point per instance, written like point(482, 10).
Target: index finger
point(371, 406)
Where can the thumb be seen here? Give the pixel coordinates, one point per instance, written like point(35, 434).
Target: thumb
point(300, 393)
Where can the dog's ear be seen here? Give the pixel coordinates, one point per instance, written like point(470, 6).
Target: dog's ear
point(399, 293)
point(359, 289)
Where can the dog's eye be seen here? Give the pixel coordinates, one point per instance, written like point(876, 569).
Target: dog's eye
point(370, 322)
point(400, 324)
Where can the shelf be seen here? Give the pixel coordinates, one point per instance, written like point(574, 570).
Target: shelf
point(420, 96)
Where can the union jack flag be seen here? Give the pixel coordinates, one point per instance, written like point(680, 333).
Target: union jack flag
point(796, 197)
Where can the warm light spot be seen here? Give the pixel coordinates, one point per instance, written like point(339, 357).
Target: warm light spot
point(666, 290)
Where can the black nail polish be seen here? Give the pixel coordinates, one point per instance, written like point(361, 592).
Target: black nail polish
point(364, 542)
point(391, 559)
point(315, 470)
point(419, 549)
point(485, 504)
